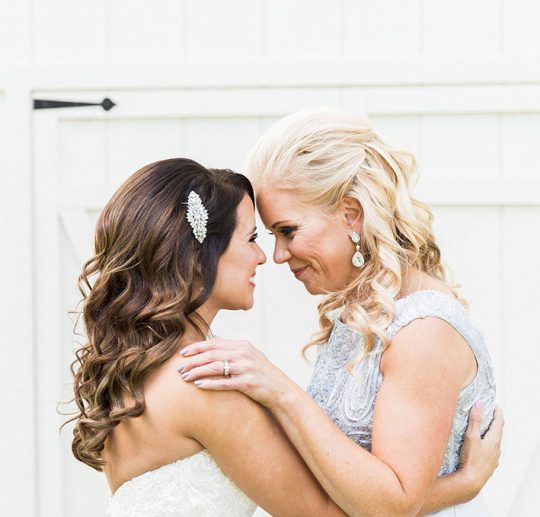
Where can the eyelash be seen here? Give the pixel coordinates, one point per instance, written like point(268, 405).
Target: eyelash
point(286, 231)
point(254, 237)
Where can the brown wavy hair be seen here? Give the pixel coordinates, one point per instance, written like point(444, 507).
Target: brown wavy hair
point(142, 288)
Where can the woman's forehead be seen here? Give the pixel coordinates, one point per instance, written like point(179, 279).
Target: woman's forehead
point(246, 214)
point(279, 206)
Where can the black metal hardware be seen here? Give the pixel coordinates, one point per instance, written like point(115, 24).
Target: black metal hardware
point(43, 104)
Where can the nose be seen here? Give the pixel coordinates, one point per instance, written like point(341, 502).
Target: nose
point(281, 253)
point(262, 256)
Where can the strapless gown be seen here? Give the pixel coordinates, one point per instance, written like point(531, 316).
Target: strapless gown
point(193, 486)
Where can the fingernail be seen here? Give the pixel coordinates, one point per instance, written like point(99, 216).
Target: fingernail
point(198, 383)
point(185, 375)
point(183, 352)
point(478, 404)
point(180, 368)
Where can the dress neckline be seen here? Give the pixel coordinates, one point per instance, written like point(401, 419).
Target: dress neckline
point(413, 294)
point(437, 292)
point(446, 297)
point(143, 475)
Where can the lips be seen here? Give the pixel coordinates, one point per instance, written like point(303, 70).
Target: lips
point(252, 280)
point(298, 271)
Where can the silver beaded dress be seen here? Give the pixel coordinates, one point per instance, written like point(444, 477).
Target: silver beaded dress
point(350, 400)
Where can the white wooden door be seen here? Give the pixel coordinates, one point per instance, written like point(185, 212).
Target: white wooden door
point(81, 155)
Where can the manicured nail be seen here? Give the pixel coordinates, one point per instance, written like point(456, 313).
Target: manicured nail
point(198, 383)
point(180, 368)
point(185, 375)
point(183, 352)
point(478, 404)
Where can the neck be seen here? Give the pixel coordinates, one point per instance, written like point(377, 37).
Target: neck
point(414, 280)
point(207, 314)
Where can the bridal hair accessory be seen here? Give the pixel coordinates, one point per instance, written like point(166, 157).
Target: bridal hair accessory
point(226, 368)
point(197, 216)
point(358, 258)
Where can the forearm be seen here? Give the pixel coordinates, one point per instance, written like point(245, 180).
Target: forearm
point(455, 488)
point(356, 480)
point(285, 486)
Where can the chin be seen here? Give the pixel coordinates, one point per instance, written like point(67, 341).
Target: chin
point(247, 305)
point(313, 289)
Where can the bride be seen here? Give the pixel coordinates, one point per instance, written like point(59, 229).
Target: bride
point(174, 245)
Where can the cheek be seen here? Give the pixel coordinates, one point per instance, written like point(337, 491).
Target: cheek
point(331, 255)
point(304, 247)
point(315, 250)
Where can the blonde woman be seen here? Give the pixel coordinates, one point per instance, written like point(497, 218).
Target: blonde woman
point(400, 364)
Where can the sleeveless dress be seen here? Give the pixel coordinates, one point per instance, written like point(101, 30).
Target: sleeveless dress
point(193, 486)
point(349, 401)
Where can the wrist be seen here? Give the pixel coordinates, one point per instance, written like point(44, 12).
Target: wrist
point(287, 397)
point(469, 482)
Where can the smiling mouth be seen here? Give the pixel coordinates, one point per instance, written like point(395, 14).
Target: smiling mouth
point(252, 281)
point(298, 271)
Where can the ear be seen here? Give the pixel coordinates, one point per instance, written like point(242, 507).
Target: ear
point(352, 213)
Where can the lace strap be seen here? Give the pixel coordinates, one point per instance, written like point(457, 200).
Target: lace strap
point(424, 304)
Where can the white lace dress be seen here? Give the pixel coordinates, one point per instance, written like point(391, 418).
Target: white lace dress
point(193, 486)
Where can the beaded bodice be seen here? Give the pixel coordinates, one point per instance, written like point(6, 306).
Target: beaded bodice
point(191, 486)
point(350, 400)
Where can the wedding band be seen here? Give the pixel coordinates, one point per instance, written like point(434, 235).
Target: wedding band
point(226, 368)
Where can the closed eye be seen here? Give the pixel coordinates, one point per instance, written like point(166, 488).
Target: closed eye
point(287, 231)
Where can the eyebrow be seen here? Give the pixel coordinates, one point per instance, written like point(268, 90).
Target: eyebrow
point(276, 224)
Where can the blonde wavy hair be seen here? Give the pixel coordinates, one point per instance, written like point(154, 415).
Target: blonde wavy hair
point(142, 288)
point(325, 155)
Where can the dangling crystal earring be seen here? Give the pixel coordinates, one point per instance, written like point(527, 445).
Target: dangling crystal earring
point(358, 258)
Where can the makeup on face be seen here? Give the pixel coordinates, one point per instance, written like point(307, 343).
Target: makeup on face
point(314, 243)
point(237, 267)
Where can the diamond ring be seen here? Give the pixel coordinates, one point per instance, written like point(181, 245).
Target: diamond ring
point(226, 369)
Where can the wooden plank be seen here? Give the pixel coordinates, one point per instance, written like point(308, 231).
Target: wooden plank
point(70, 31)
point(145, 32)
point(17, 282)
point(233, 32)
point(15, 32)
point(49, 367)
point(448, 32)
point(382, 29)
point(295, 29)
point(249, 74)
point(521, 37)
point(521, 354)
point(440, 100)
point(520, 137)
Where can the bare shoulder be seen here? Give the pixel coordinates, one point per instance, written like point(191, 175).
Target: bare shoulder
point(430, 345)
point(195, 412)
point(225, 415)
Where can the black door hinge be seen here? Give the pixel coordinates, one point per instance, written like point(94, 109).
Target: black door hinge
point(43, 104)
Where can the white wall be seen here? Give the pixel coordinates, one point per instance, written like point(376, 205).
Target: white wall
point(456, 82)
